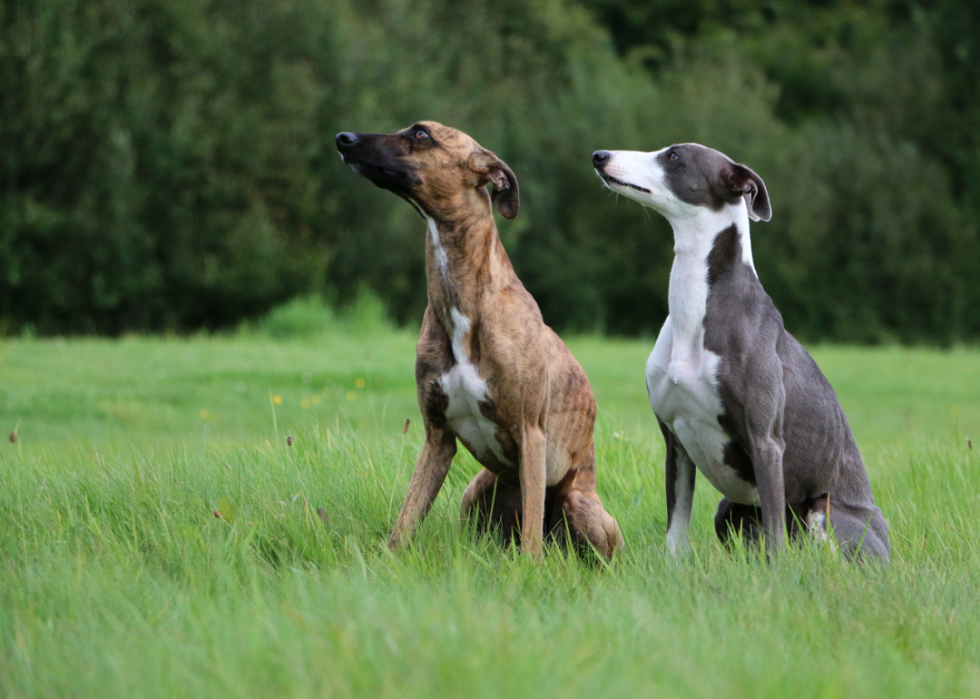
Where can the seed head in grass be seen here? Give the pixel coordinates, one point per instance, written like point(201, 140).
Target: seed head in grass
point(289, 440)
point(13, 437)
point(408, 421)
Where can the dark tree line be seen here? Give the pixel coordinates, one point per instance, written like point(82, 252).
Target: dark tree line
point(170, 163)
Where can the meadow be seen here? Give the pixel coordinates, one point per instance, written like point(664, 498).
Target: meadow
point(206, 516)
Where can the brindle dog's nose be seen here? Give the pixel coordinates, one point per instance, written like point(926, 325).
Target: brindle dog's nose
point(346, 138)
point(599, 158)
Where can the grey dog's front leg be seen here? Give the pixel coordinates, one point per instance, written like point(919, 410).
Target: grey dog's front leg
point(764, 406)
point(680, 473)
point(767, 460)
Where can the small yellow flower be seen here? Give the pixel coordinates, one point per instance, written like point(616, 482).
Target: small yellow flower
point(277, 400)
point(360, 383)
point(304, 404)
point(315, 399)
point(351, 396)
point(204, 414)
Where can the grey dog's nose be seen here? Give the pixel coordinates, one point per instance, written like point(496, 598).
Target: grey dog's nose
point(600, 157)
point(346, 138)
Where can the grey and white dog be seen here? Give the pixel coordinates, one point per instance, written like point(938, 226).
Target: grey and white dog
point(735, 394)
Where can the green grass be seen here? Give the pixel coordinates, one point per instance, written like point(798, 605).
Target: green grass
point(117, 579)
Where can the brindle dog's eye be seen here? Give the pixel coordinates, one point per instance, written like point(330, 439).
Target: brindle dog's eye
point(421, 134)
point(674, 156)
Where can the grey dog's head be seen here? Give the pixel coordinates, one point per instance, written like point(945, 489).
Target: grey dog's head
point(676, 178)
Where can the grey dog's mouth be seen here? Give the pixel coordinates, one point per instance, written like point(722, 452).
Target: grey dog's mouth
point(610, 179)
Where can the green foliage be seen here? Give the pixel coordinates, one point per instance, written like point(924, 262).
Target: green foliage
point(306, 316)
point(117, 579)
point(158, 168)
point(171, 164)
point(868, 147)
point(310, 317)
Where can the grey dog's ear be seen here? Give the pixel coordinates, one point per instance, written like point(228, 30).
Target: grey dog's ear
point(506, 197)
point(745, 182)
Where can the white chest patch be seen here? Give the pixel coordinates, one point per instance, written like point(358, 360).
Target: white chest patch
point(684, 395)
point(465, 390)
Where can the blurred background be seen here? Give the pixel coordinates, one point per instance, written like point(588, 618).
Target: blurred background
point(170, 164)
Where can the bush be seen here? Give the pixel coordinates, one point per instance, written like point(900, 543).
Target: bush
point(310, 317)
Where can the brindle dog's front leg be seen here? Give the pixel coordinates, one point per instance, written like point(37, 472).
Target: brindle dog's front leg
point(430, 472)
point(533, 487)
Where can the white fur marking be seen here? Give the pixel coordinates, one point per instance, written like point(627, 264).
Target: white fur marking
point(816, 522)
point(461, 328)
point(682, 374)
point(462, 384)
point(741, 219)
point(441, 259)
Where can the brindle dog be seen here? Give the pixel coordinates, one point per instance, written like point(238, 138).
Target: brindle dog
point(489, 371)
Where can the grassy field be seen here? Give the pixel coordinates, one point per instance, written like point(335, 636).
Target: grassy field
point(118, 579)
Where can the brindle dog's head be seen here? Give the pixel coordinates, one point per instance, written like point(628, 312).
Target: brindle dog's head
point(435, 168)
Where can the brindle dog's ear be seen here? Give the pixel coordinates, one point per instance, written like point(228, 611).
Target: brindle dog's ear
point(745, 182)
point(506, 197)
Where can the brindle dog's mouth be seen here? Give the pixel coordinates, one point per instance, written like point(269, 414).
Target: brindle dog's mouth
point(386, 178)
point(373, 171)
point(609, 179)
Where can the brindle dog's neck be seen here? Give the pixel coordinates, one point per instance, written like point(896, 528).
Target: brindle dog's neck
point(465, 264)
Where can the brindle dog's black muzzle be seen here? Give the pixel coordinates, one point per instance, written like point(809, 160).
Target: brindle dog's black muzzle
point(378, 158)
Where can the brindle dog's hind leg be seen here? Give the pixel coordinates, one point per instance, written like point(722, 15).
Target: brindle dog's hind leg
point(582, 515)
point(496, 506)
point(578, 511)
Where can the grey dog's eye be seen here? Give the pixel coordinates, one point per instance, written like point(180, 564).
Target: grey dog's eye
point(673, 155)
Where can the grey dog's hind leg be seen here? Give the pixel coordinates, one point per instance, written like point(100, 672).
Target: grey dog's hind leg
point(733, 518)
point(861, 533)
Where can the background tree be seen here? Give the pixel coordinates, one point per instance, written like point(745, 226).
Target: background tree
point(170, 164)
